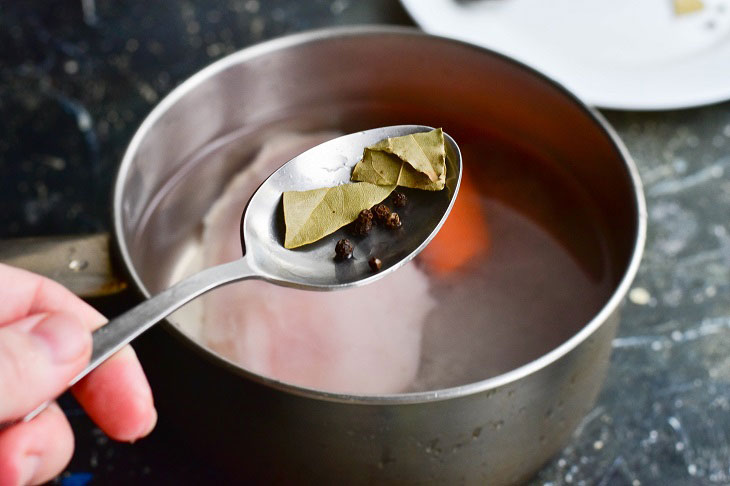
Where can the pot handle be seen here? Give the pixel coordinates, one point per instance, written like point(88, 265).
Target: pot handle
point(80, 263)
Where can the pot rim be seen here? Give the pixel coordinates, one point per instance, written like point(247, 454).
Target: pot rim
point(317, 35)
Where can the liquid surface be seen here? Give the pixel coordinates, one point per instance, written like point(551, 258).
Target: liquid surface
point(519, 267)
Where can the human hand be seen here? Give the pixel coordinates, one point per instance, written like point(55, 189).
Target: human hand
point(45, 340)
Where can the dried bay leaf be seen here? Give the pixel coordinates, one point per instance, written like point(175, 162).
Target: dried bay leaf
point(417, 160)
point(312, 215)
point(424, 151)
point(386, 169)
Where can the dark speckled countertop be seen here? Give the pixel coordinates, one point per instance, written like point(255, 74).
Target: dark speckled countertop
point(78, 76)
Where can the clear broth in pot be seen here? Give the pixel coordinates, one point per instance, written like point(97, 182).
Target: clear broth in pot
point(521, 265)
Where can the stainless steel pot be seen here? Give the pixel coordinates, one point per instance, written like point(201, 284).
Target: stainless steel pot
point(497, 431)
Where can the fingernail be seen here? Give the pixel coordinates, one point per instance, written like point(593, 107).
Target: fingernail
point(65, 336)
point(28, 468)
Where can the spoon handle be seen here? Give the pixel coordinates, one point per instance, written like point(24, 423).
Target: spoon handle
point(121, 330)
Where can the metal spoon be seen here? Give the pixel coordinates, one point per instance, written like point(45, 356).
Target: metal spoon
point(309, 267)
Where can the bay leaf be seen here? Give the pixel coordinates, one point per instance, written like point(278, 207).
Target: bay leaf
point(417, 160)
point(312, 215)
point(424, 151)
point(387, 169)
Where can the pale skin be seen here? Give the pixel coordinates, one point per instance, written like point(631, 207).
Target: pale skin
point(45, 340)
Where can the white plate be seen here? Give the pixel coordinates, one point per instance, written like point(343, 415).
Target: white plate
point(626, 54)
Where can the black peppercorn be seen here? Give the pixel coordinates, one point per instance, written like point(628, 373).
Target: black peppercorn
point(393, 221)
point(381, 213)
point(375, 264)
point(343, 249)
point(399, 199)
point(364, 223)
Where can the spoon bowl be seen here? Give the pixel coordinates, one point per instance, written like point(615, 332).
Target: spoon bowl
point(329, 164)
point(310, 267)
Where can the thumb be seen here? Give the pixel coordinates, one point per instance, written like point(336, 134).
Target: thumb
point(39, 355)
